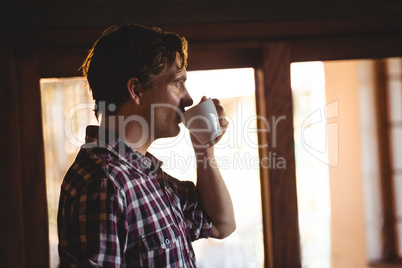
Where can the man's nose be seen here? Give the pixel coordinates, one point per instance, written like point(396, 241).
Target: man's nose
point(187, 100)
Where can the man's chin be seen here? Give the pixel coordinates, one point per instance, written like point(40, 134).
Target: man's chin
point(171, 133)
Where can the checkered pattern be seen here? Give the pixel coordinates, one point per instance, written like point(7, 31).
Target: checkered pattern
point(119, 209)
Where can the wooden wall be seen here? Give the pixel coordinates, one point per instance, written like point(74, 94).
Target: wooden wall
point(49, 39)
point(77, 14)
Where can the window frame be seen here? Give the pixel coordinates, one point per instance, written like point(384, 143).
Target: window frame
point(281, 233)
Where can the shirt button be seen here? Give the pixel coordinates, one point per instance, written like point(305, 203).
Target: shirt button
point(167, 241)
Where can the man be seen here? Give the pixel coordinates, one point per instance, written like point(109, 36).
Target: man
point(117, 207)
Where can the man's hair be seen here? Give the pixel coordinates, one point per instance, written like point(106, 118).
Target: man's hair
point(124, 52)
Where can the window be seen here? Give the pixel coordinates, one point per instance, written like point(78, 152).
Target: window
point(349, 204)
point(394, 88)
point(389, 92)
point(237, 155)
point(311, 153)
point(385, 241)
point(67, 109)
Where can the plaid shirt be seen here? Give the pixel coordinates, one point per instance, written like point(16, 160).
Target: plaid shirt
point(119, 209)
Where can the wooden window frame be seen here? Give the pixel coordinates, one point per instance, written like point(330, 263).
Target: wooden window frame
point(389, 232)
point(61, 55)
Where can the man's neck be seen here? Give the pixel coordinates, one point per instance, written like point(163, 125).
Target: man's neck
point(132, 132)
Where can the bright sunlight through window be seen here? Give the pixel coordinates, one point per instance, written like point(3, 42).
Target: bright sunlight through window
point(312, 174)
point(67, 110)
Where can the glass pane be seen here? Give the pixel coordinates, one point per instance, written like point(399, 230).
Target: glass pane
point(237, 155)
point(395, 101)
point(394, 66)
point(310, 124)
point(396, 147)
point(66, 110)
point(395, 112)
point(370, 167)
point(399, 237)
point(397, 181)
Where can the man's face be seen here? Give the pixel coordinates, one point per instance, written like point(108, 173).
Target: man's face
point(167, 100)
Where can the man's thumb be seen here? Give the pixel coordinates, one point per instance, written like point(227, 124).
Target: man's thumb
point(203, 99)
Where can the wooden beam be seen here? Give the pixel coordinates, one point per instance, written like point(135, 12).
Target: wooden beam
point(389, 232)
point(277, 147)
point(226, 31)
point(30, 14)
point(220, 55)
point(347, 47)
point(11, 224)
point(264, 172)
point(32, 165)
point(66, 62)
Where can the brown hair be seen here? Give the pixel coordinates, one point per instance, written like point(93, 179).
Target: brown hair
point(123, 52)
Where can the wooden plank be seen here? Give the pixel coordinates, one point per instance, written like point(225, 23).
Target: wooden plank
point(223, 55)
point(66, 62)
point(45, 14)
point(281, 178)
point(389, 233)
point(225, 31)
point(285, 29)
point(61, 66)
point(11, 223)
point(264, 172)
point(347, 47)
point(32, 165)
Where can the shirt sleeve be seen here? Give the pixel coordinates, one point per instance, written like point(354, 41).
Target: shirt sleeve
point(198, 223)
point(92, 227)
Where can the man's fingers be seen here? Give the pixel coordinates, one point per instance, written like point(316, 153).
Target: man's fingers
point(216, 102)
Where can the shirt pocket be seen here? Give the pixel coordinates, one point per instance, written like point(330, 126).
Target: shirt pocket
point(163, 238)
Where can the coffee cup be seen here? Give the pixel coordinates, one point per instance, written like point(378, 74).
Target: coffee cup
point(203, 122)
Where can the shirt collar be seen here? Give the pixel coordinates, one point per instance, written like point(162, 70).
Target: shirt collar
point(102, 138)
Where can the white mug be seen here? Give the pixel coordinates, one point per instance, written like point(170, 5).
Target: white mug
point(203, 122)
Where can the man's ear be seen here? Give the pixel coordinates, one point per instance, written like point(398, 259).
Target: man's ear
point(133, 86)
